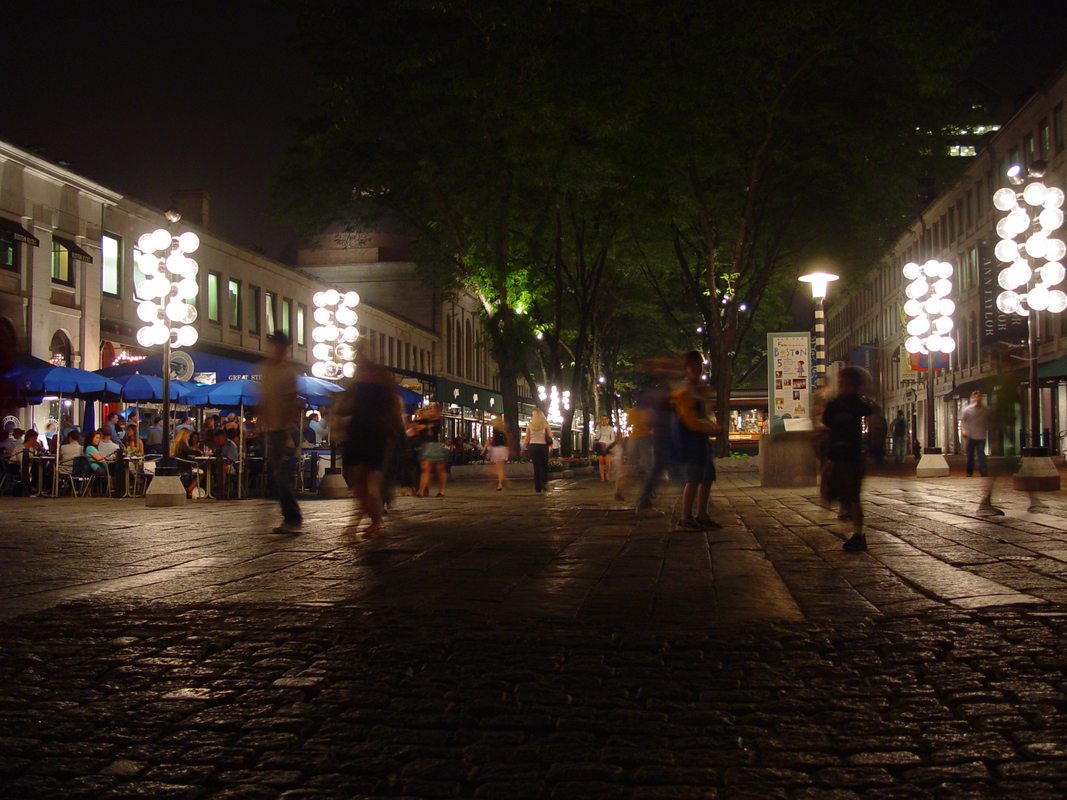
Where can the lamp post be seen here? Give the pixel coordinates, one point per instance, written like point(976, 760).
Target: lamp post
point(1033, 267)
point(335, 335)
point(819, 281)
point(170, 284)
point(929, 328)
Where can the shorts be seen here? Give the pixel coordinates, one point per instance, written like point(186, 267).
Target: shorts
point(434, 452)
point(698, 458)
point(498, 453)
point(842, 480)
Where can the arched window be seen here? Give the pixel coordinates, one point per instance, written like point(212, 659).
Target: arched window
point(448, 346)
point(468, 342)
point(60, 350)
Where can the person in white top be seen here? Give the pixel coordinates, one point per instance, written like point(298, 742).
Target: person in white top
point(974, 428)
point(605, 441)
point(538, 441)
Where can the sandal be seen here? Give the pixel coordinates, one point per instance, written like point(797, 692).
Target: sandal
point(373, 531)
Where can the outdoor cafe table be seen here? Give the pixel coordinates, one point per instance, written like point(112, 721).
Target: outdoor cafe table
point(41, 460)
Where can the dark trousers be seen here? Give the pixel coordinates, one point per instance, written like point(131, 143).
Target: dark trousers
point(539, 457)
point(279, 445)
point(976, 448)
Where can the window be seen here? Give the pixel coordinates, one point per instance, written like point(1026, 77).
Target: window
point(287, 316)
point(62, 271)
point(253, 310)
point(110, 264)
point(1044, 139)
point(1058, 122)
point(213, 297)
point(1028, 150)
point(9, 252)
point(234, 293)
point(271, 299)
point(301, 317)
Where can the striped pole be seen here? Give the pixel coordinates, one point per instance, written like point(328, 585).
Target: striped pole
point(820, 343)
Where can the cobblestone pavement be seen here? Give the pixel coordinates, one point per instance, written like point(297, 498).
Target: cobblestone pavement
point(508, 645)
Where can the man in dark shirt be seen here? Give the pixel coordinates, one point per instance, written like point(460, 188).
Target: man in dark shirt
point(842, 478)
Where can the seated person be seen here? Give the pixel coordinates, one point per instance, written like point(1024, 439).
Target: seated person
point(185, 458)
point(7, 444)
point(134, 445)
point(225, 457)
point(97, 461)
point(31, 442)
point(33, 445)
point(69, 451)
point(153, 442)
point(107, 447)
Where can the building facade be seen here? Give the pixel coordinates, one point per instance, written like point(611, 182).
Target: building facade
point(960, 227)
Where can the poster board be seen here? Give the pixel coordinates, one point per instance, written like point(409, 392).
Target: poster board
point(789, 378)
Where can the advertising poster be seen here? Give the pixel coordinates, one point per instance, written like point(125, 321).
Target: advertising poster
point(789, 378)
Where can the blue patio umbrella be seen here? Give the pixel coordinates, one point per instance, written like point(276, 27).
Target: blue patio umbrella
point(89, 420)
point(66, 381)
point(317, 392)
point(228, 393)
point(138, 388)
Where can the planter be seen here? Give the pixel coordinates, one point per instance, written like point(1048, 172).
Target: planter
point(484, 472)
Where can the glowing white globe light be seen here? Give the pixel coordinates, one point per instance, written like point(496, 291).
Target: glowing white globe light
point(147, 311)
point(1051, 219)
point(945, 270)
point(331, 333)
point(1004, 199)
point(918, 326)
point(1051, 273)
point(942, 287)
point(145, 338)
point(933, 343)
point(187, 289)
point(1057, 301)
point(931, 267)
point(176, 263)
point(932, 307)
point(345, 352)
point(344, 316)
point(145, 243)
point(1034, 195)
point(351, 299)
point(160, 333)
point(1037, 245)
point(187, 335)
point(148, 264)
point(333, 370)
point(1007, 279)
point(1053, 197)
point(1004, 229)
point(161, 240)
point(318, 369)
point(144, 288)
point(911, 270)
point(333, 297)
point(1006, 250)
point(349, 369)
point(917, 289)
point(189, 242)
point(912, 308)
point(350, 334)
point(1056, 250)
point(1022, 272)
point(321, 351)
point(175, 310)
point(1018, 221)
point(190, 314)
point(943, 325)
point(1038, 297)
point(1023, 310)
point(948, 308)
point(160, 287)
point(319, 333)
point(948, 344)
point(913, 344)
point(1008, 302)
point(318, 299)
point(322, 316)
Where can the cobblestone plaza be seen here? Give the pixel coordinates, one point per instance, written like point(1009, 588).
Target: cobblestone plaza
point(509, 645)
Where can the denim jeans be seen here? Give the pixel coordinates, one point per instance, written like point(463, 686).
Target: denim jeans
point(279, 449)
point(976, 447)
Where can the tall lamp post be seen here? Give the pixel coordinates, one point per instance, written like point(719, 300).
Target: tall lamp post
point(170, 285)
point(819, 281)
point(929, 328)
point(1033, 267)
point(335, 335)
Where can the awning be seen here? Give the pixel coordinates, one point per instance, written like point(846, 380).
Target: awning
point(1053, 370)
point(19, 233)
point(190, 365)
point(76, 252)
point(467, 396)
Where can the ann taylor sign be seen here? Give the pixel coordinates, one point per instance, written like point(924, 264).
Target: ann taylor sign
point(996, 327)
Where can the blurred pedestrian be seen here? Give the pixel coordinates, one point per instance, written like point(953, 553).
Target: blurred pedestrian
point(605, 443)
point(898, 430)
point(877, 432)
point(637, 447)
point(497, 449)
point(374, 429)
point(693, 429)
point(538, 441)
point(842, 478)
point(974, 428)
point(280, 418)
point(433, 452)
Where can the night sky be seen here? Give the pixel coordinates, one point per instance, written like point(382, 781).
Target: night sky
point(147, 98)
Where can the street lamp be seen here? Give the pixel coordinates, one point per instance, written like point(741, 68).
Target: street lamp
point(819, 281)
point(929, 328)
point(169, 286)
point(335, 335)
point(1034, 268)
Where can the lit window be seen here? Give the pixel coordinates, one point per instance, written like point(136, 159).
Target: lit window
point(213, 297)
point(234, 292)
point(270, 313)
point(61, 271)
point(301, 315)
point(110, 264)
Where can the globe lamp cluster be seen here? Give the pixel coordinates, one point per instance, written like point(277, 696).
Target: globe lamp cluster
point(555, 401)
point(929, 308)
point(168, 283)
point(335, 334)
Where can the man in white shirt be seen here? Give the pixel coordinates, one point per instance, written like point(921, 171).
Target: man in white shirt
point(107, 447)
point(974, 428)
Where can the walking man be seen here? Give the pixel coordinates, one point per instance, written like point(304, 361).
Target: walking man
point(974, 428)
point(280, 419)
point(842, 479)
point(898, 429)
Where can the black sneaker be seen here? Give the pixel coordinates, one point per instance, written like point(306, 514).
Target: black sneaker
point(856, 544)
point(708, 524)
point(689, 525)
